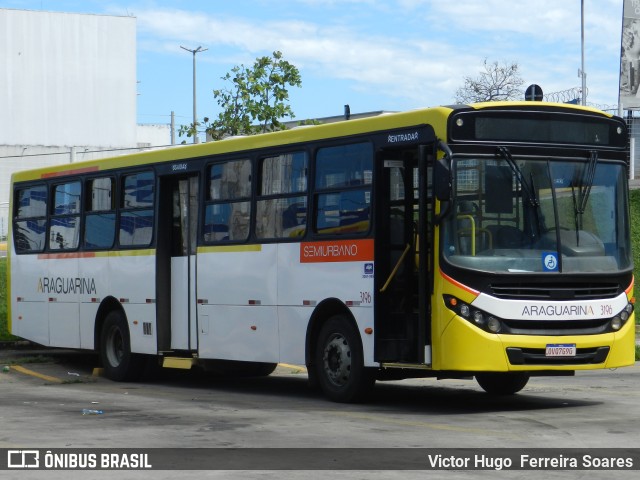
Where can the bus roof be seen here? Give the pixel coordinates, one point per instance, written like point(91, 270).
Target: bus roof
point(435, 116)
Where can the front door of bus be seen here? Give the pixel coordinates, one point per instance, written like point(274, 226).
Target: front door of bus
point(400, 315)
point(177, 239)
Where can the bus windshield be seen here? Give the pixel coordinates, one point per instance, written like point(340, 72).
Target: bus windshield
point(520, 215)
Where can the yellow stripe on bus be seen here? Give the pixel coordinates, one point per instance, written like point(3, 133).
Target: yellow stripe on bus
point(230, 248)
point(103, 254)
point(129, 253)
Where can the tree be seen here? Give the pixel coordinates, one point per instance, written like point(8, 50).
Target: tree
point(255, 102)
point(496, 82)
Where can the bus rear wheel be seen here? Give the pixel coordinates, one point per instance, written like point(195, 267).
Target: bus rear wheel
point(500, 383)
point(115, 349)
point(339, 362)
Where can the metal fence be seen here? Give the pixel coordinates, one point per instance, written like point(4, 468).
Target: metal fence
point(633, 122)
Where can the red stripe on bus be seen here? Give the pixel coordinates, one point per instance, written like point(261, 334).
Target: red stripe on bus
point(458, 284)
point(55, 256)
point(337, 251)
point(630, 287)
point(70, 172)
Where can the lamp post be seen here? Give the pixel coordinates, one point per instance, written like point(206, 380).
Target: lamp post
point(194, 51)
point(582, 72)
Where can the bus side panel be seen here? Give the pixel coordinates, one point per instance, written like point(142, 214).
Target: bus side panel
point(95, 273)
point(293, 321)
point(143, 340)
point(297, 283)
point(311, 272)
point(132, 276)
point(246, 333)
point(29, 307)
point(88, 313)
point(237, 293)
point(64, 291)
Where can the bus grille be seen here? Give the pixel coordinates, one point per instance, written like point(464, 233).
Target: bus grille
point(556, 327)
point(563, 291)
point(536, 356)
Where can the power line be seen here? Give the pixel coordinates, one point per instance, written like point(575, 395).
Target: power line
point(149, 147)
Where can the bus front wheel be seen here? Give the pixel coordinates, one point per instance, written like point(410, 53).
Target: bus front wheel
point(115, 349)
point(339, 362)
point(506, 383)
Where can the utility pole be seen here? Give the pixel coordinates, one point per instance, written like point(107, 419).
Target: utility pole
point(582, 72)
point(195, 122)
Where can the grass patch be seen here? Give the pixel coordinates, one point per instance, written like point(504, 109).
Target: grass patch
point(634, 203)
point(4, 325)
point(31, 360)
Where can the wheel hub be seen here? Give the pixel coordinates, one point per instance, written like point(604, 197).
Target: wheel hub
point(115, 347)
point(337, 360)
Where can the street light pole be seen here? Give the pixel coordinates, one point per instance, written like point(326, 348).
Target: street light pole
point(582, 72)
point(194, 51)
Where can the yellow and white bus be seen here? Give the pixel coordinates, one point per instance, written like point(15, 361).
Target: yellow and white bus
point(489, 240)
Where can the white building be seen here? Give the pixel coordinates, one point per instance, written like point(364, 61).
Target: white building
point(67, 91)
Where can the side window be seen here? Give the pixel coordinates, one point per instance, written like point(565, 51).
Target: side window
point(100, 216)
point(64, 228)
point(281, 209)
point(30, 222)
point(136, 209)
point(343, 189)
point(228, 207)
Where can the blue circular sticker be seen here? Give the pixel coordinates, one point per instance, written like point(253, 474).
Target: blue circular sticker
point(550, 261)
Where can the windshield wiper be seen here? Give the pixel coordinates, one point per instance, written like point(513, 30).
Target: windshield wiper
point(531, 195)
point(529, 190)
point(586, 182)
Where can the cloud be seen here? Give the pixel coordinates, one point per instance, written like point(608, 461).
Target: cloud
point(397, 66)
point(421, 50)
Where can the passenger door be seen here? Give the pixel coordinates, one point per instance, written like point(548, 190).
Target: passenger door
point(402, 319)
point(176, 263)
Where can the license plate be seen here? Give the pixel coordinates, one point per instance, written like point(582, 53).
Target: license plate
point(560, 350)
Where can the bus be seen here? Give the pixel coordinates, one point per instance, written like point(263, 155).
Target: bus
point(488, 240)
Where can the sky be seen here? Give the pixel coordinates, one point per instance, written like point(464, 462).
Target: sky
point(373, 55)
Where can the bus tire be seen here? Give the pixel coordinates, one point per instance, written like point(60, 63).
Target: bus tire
point(506, 383)
point(339, 362)
point(118, 362)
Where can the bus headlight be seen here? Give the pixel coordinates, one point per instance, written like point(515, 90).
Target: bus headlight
point(494, 325)
point(616, 323)
point(477, 317)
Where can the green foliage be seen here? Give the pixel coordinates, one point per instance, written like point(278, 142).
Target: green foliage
point(31, 360)
point(4, 326)
point(634, 201)
point(304, 123)
point(255, 101)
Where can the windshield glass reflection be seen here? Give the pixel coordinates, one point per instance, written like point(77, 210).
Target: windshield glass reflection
point(522, 215)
